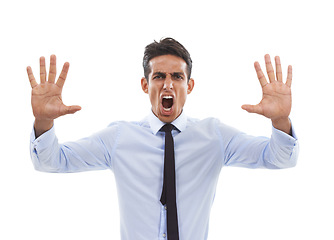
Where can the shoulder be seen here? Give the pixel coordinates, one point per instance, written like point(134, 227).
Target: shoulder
point(207, 126)
point(128, 125)
point(213, 125)
point(207, 122)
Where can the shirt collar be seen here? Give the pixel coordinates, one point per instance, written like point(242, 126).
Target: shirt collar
point(180, 122)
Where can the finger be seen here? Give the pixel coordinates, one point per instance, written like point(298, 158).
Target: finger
point(63, 75)
point(53, 69)
point(278, 69)
point(42, 69)
point(270, 69)
point(289, 77)
point(31, 77)
point(260, 75)
point(252, 108)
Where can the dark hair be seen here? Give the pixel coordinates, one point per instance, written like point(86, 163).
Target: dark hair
point(166, 46)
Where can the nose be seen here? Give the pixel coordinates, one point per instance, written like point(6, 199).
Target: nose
point(168, 84)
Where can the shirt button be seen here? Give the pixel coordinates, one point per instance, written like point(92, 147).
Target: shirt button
point(165, 207)
point(164, 235)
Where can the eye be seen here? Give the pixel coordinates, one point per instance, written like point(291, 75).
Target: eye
point(178, 76)
point(159, 76)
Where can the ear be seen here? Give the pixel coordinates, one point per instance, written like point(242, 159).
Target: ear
point(191, 84)
point(144, 85)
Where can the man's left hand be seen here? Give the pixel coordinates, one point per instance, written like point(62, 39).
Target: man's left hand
point(276, 97)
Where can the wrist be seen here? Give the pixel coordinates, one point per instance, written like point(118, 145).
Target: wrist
point(41, 126)
point(282, 124)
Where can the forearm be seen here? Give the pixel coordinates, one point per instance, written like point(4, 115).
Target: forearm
point(284, 148)
point(280, 151)
point(43, 150)
point(83, 155)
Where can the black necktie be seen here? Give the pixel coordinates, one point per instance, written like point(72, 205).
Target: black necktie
point(168, 195)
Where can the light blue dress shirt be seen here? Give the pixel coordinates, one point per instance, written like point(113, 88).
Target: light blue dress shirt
point(134, 151)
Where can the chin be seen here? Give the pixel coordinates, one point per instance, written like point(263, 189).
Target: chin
point(166, 119)
point(167, 116)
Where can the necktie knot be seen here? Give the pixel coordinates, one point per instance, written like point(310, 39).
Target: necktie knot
point(167, 127)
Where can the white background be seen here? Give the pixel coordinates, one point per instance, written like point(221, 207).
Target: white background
point(104, 42)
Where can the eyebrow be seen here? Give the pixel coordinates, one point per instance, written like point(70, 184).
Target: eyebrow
point(178, 73)
point(164, 74)
point(159, 73)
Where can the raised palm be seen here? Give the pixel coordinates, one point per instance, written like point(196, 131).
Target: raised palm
point(276, 95)
point(46, 97)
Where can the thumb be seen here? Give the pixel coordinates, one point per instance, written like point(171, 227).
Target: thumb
point(69, 109)
point(73, 109)
point(252, 108)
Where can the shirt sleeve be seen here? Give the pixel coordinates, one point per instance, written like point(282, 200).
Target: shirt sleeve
point(91, 153)
point(242, 150)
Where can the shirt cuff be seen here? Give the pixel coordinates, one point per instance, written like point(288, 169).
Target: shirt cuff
point(284, 138)
point(43, 141)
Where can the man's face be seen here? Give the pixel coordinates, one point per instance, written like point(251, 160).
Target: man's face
point(167, 86)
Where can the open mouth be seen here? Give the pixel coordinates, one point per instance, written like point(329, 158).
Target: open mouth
point(167, 102)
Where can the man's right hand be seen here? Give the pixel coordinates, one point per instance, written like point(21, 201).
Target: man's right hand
point(46, 99)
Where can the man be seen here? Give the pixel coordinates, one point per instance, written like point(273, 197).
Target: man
point(164, 192)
